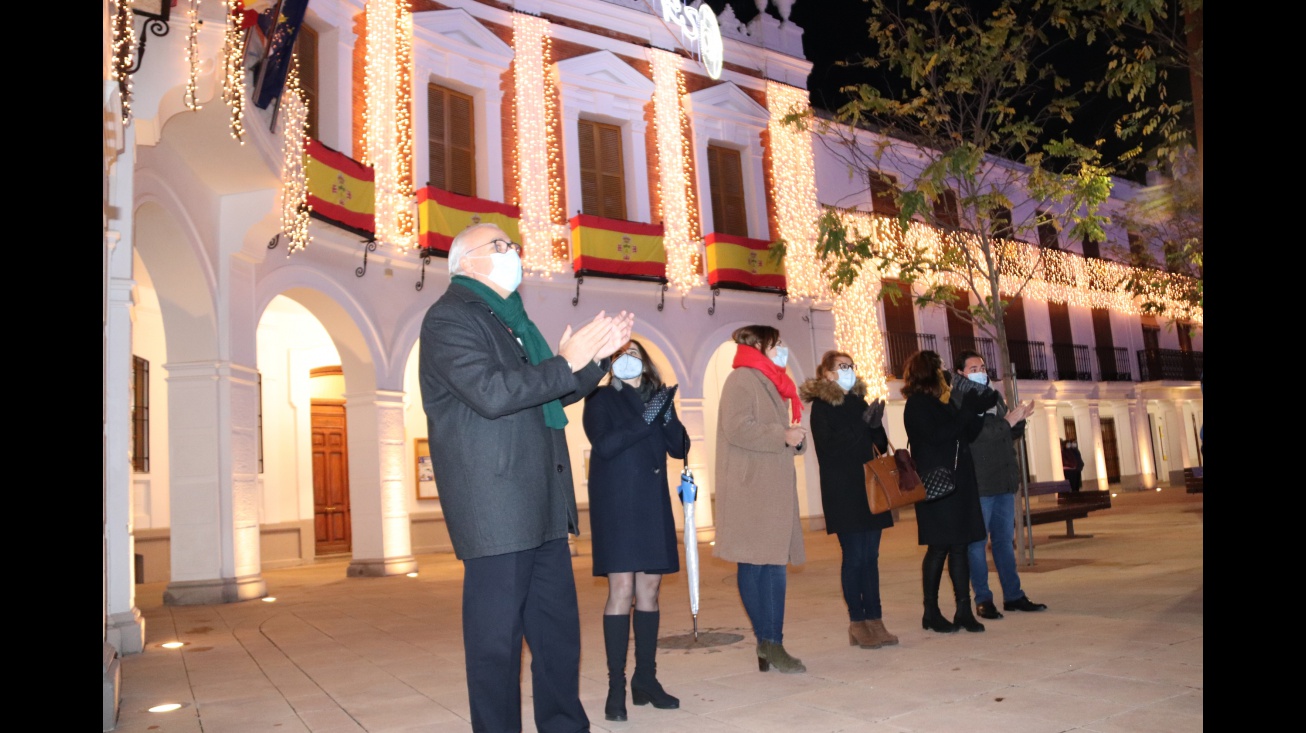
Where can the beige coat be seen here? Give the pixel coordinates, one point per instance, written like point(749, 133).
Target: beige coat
point(756, 484)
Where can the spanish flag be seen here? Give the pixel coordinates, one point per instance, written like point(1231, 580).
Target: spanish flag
point(441, 215)
point(742, 263)
point(617, 248)
point(340, 189)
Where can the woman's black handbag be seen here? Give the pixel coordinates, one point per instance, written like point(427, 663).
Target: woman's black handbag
point(941, 481)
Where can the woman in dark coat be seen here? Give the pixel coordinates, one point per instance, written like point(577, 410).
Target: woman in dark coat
point(632, 427)
point(846, 432)
point(939, 434)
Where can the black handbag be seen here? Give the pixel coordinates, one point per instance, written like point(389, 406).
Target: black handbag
point(941, 481)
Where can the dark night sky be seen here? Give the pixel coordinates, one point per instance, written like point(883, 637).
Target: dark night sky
point(835, 30)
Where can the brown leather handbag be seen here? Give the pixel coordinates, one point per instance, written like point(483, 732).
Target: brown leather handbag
point(892, 481)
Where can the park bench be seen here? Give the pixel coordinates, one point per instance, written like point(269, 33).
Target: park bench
point(1193, 479)
point(1071, 505)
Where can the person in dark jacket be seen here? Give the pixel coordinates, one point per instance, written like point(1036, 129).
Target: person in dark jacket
point(1072, 463)
point(939, 435)
point(494, 392)
point(846, 432)
point(632, 427)
point(997, 472)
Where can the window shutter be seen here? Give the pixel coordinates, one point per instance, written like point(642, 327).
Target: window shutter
point(306, 50)
point(602, 181)
point(945, 210)
point(451, 153)
point(726, 179)
point(882, 190)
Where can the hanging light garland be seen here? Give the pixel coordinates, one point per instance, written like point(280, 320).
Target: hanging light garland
point(857, 331)
point(793, 175)
point(294, 151)
point(674, 191)
point(124, 51)
point(1044, 274)
point(191, 97)
point(387, 123)
point(233, 69)
point(537, 163)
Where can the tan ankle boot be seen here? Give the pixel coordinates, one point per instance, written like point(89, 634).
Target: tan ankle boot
point(881, 634)
point(860, 635)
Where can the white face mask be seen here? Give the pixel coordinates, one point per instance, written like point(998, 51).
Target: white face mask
point(978, 377)
point(507, 270)
point(781, 356)
point(847, 378)
point(627, 367)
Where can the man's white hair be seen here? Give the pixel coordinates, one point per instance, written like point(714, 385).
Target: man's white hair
point(458, 247)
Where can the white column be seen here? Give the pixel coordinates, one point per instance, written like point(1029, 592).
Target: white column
point(1047, 456)
point(1143, 444)
point(1176, 440)
point(212, 418)
point(1088, 424)
point(378, 503)
point(124, 627)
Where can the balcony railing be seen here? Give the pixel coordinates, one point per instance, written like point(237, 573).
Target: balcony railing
point(1113, 364)
point(985, 347)
point(899, 346)
point(1028, 359)
point(1154, 364)
point(1072, 362)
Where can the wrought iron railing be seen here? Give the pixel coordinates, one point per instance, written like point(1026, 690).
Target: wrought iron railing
point(1072, 362)
point(1028, 359)
point(1113, 364)
point(1154, 364)
point(899, 346)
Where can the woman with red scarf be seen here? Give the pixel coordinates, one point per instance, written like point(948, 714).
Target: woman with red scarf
point(758, 435)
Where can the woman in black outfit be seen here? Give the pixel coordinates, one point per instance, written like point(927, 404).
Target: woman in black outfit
point(939, 434)
point(845, 432)
point(632, 427)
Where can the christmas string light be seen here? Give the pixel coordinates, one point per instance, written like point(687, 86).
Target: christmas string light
point(294, 154)
point(233, 69)
point(537, 163)
point(387, 124)
point(793, 173)
point(191, 98)
point(124, 52)
point(674, 191)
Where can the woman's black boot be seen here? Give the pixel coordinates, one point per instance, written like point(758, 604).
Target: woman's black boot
point(616, 640)
point(931, 576)
point(959, 572)
point(644, 685)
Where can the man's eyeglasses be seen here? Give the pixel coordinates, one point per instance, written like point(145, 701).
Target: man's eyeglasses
point(500, 246)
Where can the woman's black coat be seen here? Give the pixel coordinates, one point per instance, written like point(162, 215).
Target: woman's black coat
point(843, 443)
point(934, 431)
point(630, 496)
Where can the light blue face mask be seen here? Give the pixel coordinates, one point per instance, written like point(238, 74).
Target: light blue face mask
point(978, 377)
point(847, 378)
point(781, 356)
point(627, 367)
point(507, 270)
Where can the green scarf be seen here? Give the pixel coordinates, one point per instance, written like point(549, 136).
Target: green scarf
point(511, 311)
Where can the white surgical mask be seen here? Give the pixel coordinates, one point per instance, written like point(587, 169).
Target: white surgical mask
point(627, 367)
point(781, 356)
point(507, 270)
point(978, 377)
point(847, 378)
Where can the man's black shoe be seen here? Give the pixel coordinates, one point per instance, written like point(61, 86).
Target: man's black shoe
point(987, 610)
point(1023, 604)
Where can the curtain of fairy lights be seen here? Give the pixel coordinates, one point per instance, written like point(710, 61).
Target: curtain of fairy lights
point(674, 190)
point(294, 150)
point(387, 122)
point(233, 69)
point(537, 164)
point(793, 176)
point(124, 52)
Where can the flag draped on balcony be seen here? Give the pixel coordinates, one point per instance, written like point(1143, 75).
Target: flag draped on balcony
point(441, 215)
point(340, 189)
point(279, 26)
point(617, 248)
point(741, 263)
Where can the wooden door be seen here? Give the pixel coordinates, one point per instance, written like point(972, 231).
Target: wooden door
point(1110, 451)
point(1063, 346)
point(900, 327)
point(330, 478)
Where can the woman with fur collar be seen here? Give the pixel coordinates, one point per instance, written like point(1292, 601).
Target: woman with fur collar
point(845, 432)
